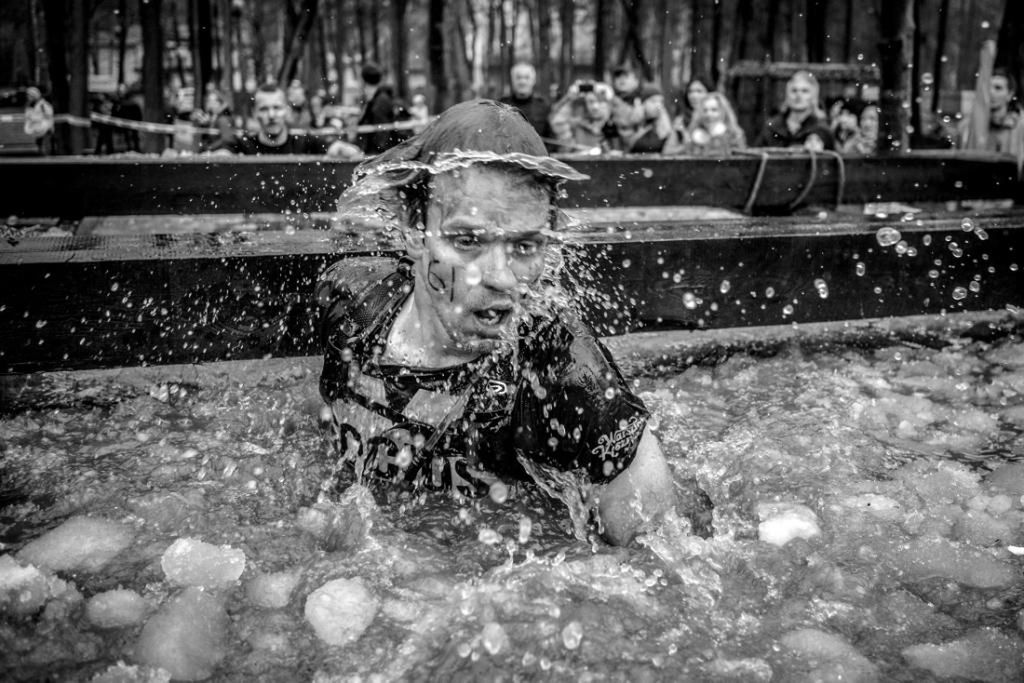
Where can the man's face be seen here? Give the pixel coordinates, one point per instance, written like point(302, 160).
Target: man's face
point(597, 109)
point(625, 83)
point(799, 95)
point(271, 110)
point(999, 92)
point(483, 247)
point(524, 78)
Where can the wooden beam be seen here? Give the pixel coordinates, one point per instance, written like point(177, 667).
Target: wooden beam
point(89, 302)
point(100, 187)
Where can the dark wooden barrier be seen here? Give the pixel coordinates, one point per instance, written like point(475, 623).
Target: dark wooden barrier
point(76, 187)
point(89, 302)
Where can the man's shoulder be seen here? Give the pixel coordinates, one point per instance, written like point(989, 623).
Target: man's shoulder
point(353, 276)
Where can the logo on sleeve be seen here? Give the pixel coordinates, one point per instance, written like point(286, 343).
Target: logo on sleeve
point(610, 445)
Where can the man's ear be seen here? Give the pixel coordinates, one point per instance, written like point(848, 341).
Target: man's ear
point(415, 241)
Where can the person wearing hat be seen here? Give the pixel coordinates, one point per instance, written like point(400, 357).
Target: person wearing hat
point(379, 108)
point(39, 120)
point(461, 364)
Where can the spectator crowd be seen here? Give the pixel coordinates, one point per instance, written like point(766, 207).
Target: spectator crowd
point(625, 116)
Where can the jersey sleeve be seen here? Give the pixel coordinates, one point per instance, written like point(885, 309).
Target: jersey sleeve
point(577, 412)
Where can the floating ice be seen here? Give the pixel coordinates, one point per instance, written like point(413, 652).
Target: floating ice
point(124, 673)
point(934, 556)
point(572, 635)
point(191, 562)
point(79, 544)
point(186, 637)
point(984, 654)
point(494, 638)
point(834, 659)
point(782, 522)
point(272, 590)
point(24, 589)
point(116, 608)
point(340, 610)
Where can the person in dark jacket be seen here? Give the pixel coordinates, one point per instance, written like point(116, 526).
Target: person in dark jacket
point(801, 123)
point(380, 107)
point(534, 107)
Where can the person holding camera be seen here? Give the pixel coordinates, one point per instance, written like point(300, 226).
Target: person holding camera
point(582, 119)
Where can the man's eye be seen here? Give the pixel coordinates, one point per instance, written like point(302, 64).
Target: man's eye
point(527, 247)
point(465, 241)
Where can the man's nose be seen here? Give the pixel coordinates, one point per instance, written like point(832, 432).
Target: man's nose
point(496, 268)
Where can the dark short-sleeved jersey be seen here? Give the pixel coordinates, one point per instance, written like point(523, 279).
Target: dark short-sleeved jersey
point(557, 399)
point(295, 144)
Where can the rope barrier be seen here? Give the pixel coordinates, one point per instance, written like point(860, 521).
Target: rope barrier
point(765, 154)
point(171, 128)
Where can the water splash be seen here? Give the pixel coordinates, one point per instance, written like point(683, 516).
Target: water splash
point(887, 236)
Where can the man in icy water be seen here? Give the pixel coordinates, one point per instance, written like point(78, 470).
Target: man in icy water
point(459, 365)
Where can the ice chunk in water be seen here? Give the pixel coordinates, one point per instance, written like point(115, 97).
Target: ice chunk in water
point(79, 544)
point(191, 562)
point(272, 590)
point(833, 658)
point(186, 637)
point(494, 638)
point(116, 608)
point(984, 654)
point(24, 589)
point(340, 610)
point(782, 522)
point(123, 673)
point(926, 558)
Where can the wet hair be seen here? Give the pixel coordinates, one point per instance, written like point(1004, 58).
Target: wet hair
point(471, 133)
point(268, 88)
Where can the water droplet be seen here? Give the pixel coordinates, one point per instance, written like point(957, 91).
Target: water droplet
point(887, 236)
point(933, 274)
point(769, 292)
point(967, 225)
point(725, 286)
point(981, 234)
point(525, 529)
point(609, 393)
point(114, 286)
point(860, 269)
point(346, 355)
point(498, 492)
point(690, 301)
point(901, 247)
point(787, 310)
point(40, 324)
point(926, 240)
point(626, 263)
point(959, 293)
point(822, 288)
point(911, 252)
point(494, 638)
point(647, 173)
point(572, 634)
point(1013, 267)
point(677, 278)
point(975, 286)
point(404, 457)
point(488, 536)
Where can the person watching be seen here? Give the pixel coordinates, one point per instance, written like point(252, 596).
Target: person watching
point(271, 110)
point(627, 106)
point(39, 120)
point(582, 119)
point(655, 134)
point(714, 130)
point(994, 123)
point(695, 91)
point(533, 106)
point(865, 142)
point(455, 366)
point(379, 109)
point(801, 123)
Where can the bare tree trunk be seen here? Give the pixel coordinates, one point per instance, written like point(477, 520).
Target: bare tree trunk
point(122, 38)
point(566, 25)
point(375, 32)
point(55, 14)
point(894, 31)
point(600, 39)
point(152, 72)
point(435, 53)
point(633, 41)
point(741, 34)
point(457, 63)
point(340, 45)
point(816, 13)
point(770, 27)
point(940, 48)
point(204, 44)
point(78, 96)
point(543, 56)
point(399, 48)
point(915, 72)
point(1010, 48)
point(848, 44)
point(716, 42)
point(307, 17)
point(361, 32)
